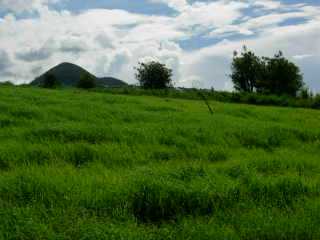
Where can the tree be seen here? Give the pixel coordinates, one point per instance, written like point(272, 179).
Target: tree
point(87, 81)
point(305, 93)
point(280, 76)
point(50, 81)
point(154, 75)
point(246, 70)
point(276, 75)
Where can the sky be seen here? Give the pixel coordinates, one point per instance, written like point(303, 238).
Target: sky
point(196, 38)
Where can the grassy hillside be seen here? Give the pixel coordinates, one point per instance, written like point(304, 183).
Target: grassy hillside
point(86, 165)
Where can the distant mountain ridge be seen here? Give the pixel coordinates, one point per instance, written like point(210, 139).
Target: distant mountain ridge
point(69, 75)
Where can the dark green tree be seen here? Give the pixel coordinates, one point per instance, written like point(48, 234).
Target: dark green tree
point(246, 70)
point(87, 81)
point(153, 75)
point(305, 93)
point(50, 81)
point(280, 77)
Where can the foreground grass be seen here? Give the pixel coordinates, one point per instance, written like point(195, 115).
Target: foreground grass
point(84, 165)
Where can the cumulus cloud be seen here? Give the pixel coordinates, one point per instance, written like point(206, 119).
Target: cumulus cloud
point(292, 40)
point(113, 41)
point(175, 4)
point(31, 55)
point(73, 45)
point(303, 56)
point(23, 5)
point(268, 4)
point(5, 62)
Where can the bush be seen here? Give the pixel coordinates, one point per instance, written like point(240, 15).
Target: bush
point(316, 102)
point(154, 75)
point(87, 81)
point(7, 83)
point(305, 93)
point(50, 81)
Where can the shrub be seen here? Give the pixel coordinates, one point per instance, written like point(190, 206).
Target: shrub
point(87, 81)
point(316, 102)
point(6, 83)
point(154, 75)
point(305, 93)
point(50, 81)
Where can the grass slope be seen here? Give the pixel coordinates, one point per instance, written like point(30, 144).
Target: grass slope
point(85, 165)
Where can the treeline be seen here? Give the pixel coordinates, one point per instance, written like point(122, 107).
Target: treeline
point(220, 96)
point(257, 80)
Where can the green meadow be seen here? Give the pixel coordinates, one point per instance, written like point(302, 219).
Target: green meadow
point(76, 164)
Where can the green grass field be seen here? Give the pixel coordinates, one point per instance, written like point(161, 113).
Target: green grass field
point(87, 165)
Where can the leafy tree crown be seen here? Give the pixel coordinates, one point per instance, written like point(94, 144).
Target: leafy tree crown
point(153, 75)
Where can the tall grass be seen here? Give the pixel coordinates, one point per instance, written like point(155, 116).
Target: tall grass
point(91, 165)
point(222, 96)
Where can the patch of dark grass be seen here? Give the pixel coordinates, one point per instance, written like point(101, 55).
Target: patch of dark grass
point(7, 122)
point(267, 139)
point(80, 155)
point(240, 172)
point(306, 136)
point(4, 163)
point(189, 173)
point(281, 193)
point(28, 190)
point(217, 155)
point(66, 134)
point(160, 109)
point(163, 155)
point(38, 155)
point(23, 113)
point(158, 201)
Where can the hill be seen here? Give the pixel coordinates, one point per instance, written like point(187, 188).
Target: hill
point(69, 75)
point(93, 165)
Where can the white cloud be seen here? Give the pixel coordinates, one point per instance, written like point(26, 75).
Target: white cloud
point(268, 4)
point(303, 56)
point(24, 5)
point(5, 62)
point(297, 43)
point(212, 14)
point(112, 42)
point(179, 5)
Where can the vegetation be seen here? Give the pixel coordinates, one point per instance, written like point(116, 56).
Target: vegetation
point(280, 77)
point(92, 165)
point(303, 101)
point(154, 75)
point(50, 81)
point(277, 75)
point(246, 71)
point(260, 81)
point(68, 75)
point(87, 81)
point(6, 83)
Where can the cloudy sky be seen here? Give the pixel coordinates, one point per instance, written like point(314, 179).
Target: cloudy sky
point(194, 37)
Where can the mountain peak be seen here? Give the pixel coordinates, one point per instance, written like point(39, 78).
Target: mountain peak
point(66, 64)
point(69, 74)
